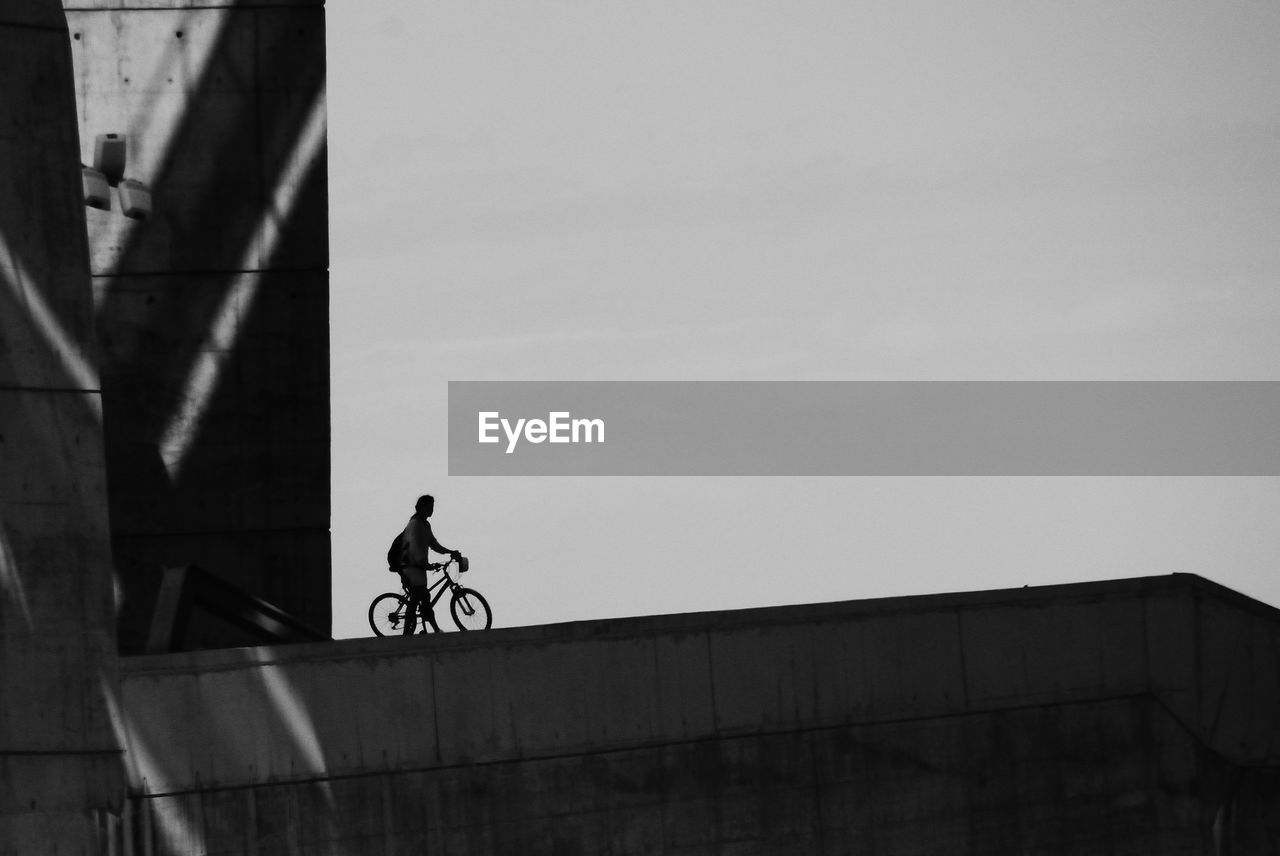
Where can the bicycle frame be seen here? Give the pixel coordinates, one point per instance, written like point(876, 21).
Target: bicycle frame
point(441, 586)
point(436, 589)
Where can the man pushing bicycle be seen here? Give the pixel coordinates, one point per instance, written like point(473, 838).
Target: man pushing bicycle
point(415, 545)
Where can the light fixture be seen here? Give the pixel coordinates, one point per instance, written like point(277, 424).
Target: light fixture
point(135, 199)
point(109, 155)
point(97, 193)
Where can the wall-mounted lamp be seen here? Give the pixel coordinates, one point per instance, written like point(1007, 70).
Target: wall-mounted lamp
point(97, 193)
point(135, 199)
point(110, 154)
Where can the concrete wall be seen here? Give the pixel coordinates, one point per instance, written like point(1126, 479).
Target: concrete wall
point(212, 314)
point(1101, 718)
point(59, 758)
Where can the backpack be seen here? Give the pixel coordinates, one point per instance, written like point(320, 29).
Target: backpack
point(395, 556)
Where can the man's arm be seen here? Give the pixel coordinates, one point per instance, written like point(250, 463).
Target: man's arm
point(434, 544)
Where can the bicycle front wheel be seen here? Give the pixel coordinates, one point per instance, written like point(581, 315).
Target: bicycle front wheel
point(387, 614)
point(470, 610)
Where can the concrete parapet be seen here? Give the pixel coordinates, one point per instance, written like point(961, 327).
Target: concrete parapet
point(900, 713)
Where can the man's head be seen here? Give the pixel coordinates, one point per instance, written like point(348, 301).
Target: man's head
point(425, 505)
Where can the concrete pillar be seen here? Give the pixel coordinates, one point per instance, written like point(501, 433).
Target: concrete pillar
point(60, 774)
point(213, 312)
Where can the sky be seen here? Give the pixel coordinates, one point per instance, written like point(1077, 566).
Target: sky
point(793, 191)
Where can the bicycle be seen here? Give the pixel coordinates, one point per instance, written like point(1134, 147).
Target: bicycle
point(389, 612)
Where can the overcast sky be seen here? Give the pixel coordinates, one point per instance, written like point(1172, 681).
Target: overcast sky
point(794, 191)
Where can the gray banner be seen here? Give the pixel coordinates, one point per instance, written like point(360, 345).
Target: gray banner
point(852, 428)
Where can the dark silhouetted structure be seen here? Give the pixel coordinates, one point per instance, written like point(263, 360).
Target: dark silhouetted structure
point(212, 315)
point(163, 381)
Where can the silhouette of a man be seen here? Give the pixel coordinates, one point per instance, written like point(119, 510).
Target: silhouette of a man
point(416, 544)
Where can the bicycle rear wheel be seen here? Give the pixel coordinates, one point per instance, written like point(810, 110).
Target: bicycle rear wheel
point(387, 614)
point(470, 610)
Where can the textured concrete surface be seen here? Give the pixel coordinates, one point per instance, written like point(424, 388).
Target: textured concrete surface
point(1126, 717)
point(59, 758)
point(212, 314)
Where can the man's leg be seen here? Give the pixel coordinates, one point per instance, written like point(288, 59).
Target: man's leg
point(410, 622)
point(428, 613)
point(408, 614)
point(407, 617)
point(425, 613)
point(420, 602)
